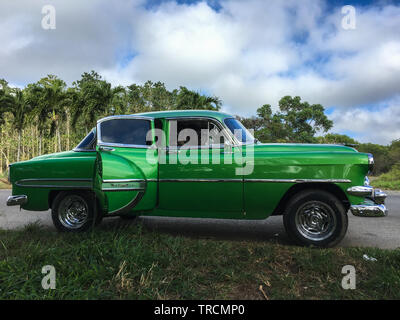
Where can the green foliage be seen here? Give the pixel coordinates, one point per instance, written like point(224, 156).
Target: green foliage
point(334, 138)
point(389, 180)
point(296, 121)
point(43, 113)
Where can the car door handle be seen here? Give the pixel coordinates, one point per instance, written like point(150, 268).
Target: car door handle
point(106, 149)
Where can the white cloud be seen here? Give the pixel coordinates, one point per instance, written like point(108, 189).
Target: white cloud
point(379, 125)
point(248, 53)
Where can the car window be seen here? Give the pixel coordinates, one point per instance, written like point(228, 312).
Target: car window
point(195, 132)
point(239, 130)
point(125, 131)
point(89, 142)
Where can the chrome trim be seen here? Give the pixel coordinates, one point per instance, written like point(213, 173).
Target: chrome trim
point(120, 145)
point(260, 180)
point(299, 180)
point(122, 180)
point(361, 191)
point(125, 116)
point(379, 196)
point(83, 150)
point(103, 148)
point(368, 210)
point(54, 183)
point(371, 162)
point(124, 185)
point(17, 200)
point(200, 180)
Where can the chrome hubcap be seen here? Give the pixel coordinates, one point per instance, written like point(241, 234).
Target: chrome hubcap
point(315, 220)
point(73, 212)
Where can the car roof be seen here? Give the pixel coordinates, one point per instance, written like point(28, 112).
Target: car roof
point(185, 113)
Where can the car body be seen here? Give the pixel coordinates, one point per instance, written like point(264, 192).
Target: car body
point(140, 164)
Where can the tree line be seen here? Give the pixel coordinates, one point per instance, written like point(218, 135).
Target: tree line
point(49, 116)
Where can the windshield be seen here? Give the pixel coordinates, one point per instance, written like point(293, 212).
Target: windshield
point(89, 142)
point(238, 129)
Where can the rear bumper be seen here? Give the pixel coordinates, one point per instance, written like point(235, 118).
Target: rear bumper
point(17, 200)
point(373, 205)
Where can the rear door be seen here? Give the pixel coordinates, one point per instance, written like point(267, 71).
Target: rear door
point(127, 169)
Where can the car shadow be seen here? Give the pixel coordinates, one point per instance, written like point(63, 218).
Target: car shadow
point(270, 229)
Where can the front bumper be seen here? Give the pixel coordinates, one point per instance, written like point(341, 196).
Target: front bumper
point(17, 200)
point(374, 204)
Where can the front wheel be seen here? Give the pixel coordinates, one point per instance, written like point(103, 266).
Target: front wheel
point(74, 211)
point(315, 217)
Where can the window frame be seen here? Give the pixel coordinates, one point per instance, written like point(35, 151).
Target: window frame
point(76, 149)
point(238, 142)
point(229, 139)
point(123, 145)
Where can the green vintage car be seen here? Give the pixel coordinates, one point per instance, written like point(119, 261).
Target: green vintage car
point(201, 164)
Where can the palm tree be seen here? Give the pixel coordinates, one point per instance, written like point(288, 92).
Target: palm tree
point(187, 99)
point(16, 103)
point(50, 100)
point(95, 97)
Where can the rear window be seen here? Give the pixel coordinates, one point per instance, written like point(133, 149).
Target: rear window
point(125, 131)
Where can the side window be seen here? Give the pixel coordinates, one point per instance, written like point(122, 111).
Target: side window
point(125, 131)
point(194, 133)
point(88, 143)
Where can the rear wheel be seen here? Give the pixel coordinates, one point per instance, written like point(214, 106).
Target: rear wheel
point(315, 217)
point(74, 211)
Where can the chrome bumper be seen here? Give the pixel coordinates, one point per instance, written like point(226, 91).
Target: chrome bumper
point(369, 210)
point(17, 200)
point(373, 206)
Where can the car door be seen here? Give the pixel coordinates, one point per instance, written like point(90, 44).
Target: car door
point(126, 174)
point(198, 173)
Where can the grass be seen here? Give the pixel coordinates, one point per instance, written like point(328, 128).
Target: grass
point(122, 261)
point(389, 180)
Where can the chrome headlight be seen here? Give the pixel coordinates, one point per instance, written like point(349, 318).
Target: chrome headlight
point(370, 163)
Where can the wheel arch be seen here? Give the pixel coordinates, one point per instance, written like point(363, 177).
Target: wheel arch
point(53, 194)
point(299, 187)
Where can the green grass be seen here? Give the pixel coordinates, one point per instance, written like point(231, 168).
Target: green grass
point(122, 261)
point(390, 180)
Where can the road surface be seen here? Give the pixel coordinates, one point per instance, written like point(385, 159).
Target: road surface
point(364, 232)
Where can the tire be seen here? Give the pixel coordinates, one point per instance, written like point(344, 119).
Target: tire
point(315, 218)
point(73, 211)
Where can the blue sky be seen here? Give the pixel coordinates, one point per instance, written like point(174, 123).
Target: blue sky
point(247, 53)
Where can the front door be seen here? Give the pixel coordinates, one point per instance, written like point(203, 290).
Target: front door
point(198, 173)
point(126, 176)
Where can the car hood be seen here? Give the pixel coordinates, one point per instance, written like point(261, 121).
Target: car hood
point(65, 154)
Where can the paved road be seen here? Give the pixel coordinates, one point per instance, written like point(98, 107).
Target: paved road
point(365, 232)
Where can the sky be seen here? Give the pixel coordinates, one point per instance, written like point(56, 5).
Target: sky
point(248, 53)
